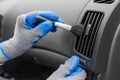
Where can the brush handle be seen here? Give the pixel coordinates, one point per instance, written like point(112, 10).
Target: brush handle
point(58, 24)
point(64, 26)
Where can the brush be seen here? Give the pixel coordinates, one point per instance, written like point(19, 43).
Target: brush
point(75, 29)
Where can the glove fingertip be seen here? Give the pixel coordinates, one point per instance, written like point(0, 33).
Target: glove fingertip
point(30, 20)
point(74, 60)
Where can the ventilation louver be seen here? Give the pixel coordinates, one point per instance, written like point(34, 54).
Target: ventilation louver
point(104, 1)
point(91, 22)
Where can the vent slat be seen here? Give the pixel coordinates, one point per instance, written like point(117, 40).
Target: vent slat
point(88, 37)
point(79, 38)
point(91, 37)
point(104, 1)
point(91, 22)
point(85, 41)
point(77, 43)
point(82, 37)
point(95, 34)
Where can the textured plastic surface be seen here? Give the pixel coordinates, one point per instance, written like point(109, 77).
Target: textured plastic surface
point(113, 68)
point(46, 57)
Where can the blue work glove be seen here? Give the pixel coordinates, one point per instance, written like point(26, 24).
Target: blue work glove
point(69, 71)
point(31, 21)
point(28, 30)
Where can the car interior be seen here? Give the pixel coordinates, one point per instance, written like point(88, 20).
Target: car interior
point(98, 46)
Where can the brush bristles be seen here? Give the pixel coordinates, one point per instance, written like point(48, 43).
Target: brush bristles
point(77, 29)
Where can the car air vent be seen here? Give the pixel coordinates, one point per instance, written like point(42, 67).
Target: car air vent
point(104, 1)
point(91, 22)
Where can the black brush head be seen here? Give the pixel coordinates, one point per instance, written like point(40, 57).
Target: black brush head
point(77, 29)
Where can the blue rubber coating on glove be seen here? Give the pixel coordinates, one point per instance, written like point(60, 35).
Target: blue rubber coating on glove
point(4, 54)
point(45, 27)
point(77, 71)
point(32, 22)
point(74, 69)
point(75, 61)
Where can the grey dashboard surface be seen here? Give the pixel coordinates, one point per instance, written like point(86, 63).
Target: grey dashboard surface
point(60, 41)
point(5, 5)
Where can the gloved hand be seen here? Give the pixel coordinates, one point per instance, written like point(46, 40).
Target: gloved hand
point(69, 71)
point(28, 30)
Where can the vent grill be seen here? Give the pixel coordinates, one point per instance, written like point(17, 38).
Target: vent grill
point(104, 1)
point(91, 22)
